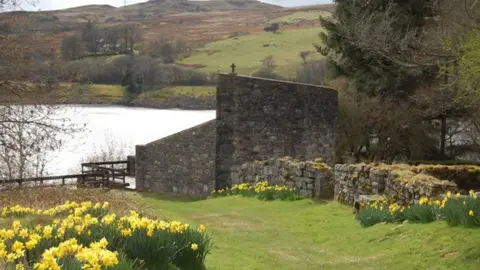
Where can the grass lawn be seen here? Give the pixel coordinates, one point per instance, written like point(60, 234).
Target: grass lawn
point(301, 15)
point(252, 234)
point(247, 52)
point(191, 91)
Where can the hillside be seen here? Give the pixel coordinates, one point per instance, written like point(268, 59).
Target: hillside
point(153, 7)
point(247, 52)
point(198, 21)
point(220, 33)
point(150, 10)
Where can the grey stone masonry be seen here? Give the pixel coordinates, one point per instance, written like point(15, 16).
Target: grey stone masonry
point(183, 163)
point(258, 119)
point(311, 178)
point(400, 185)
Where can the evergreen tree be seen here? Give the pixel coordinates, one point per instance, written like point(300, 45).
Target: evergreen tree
point(378, 43)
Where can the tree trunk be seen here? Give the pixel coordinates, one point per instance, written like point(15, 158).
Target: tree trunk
point(443, 137)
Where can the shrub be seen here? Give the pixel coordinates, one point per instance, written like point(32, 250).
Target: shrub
point(267, 70)
point(274, 27)
point(88, 236)
point(315, 72)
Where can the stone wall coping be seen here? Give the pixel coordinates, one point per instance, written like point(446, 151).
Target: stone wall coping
point(185, 130)
point(280, 81)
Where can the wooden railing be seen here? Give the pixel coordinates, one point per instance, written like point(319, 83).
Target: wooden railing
point(62, 178)
point(111, 174)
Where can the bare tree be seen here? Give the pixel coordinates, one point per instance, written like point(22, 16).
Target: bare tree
point(72, 48)
point(315, 72)
point(131, 35)
point(114, 149)
point(27, 132)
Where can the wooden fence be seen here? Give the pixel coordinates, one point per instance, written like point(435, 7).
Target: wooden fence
point(111, 174)
point(114, 172)
point(62, 178)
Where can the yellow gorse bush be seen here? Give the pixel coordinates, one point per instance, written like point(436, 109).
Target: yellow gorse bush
point(74, 236)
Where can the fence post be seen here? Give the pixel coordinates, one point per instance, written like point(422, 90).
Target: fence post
point(131, 165)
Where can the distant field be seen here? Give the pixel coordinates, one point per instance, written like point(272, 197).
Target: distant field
point(100, 93)
point(247, 52)
point(191, 91)
point(68, 93)
point(302, 15)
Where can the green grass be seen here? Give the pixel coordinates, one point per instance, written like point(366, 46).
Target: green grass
point(251, 234)
point(113, 91)
point(301, 15)
point(72, 93)
point(247, 52)
point(191, 91)
point(93, 92)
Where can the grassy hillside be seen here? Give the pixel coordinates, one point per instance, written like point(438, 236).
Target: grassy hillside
point(301, 16)
point(179, 6)
point(247, 52)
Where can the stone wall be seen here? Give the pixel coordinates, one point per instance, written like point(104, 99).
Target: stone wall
point(402, 184)
point(311, 178)
point(183, 163)
point(260, 119)
point(257, 119)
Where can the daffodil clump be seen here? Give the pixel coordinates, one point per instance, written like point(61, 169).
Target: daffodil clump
point(454, 209)
point(261, 190)
point(88, 236)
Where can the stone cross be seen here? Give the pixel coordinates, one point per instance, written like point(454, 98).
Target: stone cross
point(233, 66)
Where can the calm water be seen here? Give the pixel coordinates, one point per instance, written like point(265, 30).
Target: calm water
point(120, 128)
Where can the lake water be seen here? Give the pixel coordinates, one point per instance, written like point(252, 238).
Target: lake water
point(119, 127)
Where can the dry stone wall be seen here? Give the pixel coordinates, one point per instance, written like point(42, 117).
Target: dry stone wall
point(311, 178)
point(402, 185)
